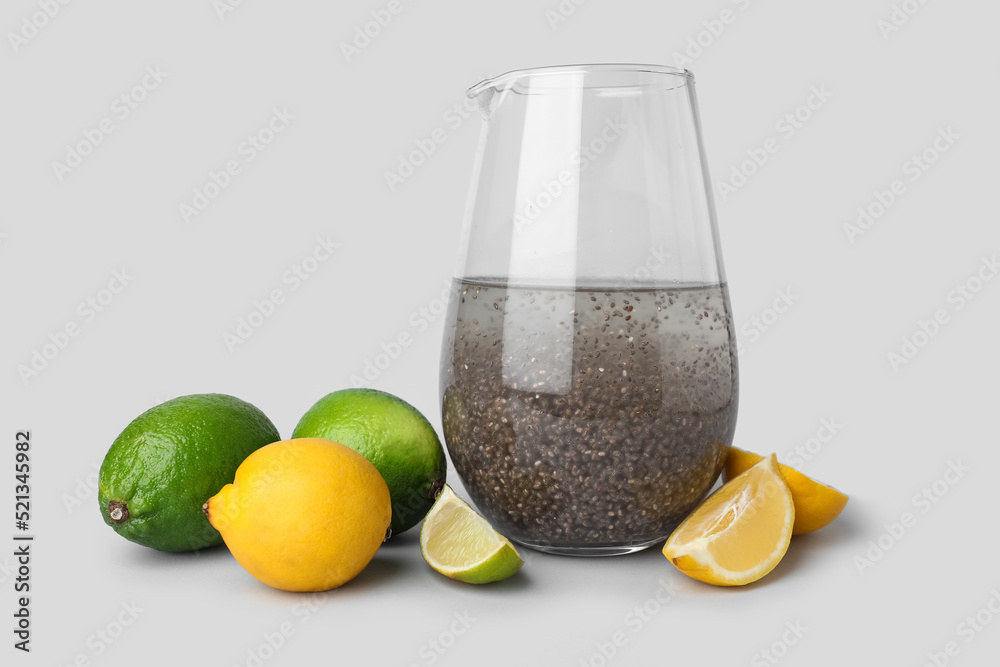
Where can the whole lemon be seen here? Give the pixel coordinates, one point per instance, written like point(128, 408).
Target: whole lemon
point(303, 515)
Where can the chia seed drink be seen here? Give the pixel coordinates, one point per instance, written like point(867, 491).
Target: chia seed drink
point(591, 420)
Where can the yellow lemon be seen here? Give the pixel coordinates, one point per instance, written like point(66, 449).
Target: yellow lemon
point(816, 504)
point(739, 533)
point(304, 514)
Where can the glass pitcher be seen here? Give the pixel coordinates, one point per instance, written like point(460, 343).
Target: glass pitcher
point(589, 376)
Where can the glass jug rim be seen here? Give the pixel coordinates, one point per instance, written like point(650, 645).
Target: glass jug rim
point(508, 80)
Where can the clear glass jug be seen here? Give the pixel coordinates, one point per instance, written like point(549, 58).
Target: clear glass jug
point(589, 378)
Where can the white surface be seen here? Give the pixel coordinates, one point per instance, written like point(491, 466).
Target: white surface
point(824, 358)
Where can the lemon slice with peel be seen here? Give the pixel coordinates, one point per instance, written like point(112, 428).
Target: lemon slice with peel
point(816, 504)
point(461, 544)
point(739, 533)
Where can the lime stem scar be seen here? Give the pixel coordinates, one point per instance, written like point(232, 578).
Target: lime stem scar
point(118, 511)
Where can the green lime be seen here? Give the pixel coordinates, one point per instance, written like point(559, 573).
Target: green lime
point(170, 460)
point(394, 436)
point(462, 545)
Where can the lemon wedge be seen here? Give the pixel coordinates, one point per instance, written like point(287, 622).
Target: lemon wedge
point(740, 532)
point(816, 504)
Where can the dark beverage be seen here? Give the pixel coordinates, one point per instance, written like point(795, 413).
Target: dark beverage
point(589, 416)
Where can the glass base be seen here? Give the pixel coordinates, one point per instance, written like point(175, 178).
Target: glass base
point(586, 550)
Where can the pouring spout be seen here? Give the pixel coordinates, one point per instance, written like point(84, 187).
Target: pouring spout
point(483, 93)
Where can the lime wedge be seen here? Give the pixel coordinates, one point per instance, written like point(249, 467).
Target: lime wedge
point(459, 543)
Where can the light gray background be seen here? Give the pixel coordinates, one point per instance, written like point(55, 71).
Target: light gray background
point(824, 359)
